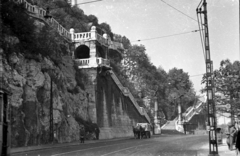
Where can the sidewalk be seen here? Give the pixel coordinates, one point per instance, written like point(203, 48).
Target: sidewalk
point(222, 150)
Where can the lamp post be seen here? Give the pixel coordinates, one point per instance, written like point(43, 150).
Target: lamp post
point(51, 112)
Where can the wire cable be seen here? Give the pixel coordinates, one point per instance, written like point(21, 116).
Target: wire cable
point(88, 2)
point(201, 37)
point(199, 4)
point(196, 75)
point(76, 4)
point(164, 36)
point(179, 11)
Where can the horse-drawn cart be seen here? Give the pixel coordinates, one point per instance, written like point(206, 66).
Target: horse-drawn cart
point(142, 130)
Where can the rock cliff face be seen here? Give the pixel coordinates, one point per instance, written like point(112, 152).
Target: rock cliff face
point(30, 81)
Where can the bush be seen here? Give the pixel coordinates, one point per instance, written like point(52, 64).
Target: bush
point(16, 22)
point(34, 40)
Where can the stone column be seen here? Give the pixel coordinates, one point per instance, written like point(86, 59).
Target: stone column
point(72, 34)
point(72, 45)
point(105, 112)
point(73, 2)
point(179, 113)
point(120, 106)
point(114, 115)
point(157, 127)
point(91, 89)
point(93, 49)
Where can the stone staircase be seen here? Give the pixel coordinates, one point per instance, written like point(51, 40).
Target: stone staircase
point(126, 92)
point(170, 128)
point(173, 127)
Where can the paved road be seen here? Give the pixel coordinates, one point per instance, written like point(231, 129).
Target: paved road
point(165, 145)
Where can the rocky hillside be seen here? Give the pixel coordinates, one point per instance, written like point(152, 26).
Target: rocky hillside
point(29, 81)
point(33, 56)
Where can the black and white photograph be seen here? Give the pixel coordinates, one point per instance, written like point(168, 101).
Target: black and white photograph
point(119, 78)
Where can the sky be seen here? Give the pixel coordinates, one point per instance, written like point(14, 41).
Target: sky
point(146, 19)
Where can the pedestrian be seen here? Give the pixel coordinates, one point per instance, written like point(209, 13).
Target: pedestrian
point(82, 134)
point(232, 137)
point(238, 140)
point(97, 131)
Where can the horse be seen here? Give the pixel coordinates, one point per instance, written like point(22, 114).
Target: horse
point(138, 132)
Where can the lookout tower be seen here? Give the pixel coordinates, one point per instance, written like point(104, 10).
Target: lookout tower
point(90, 52)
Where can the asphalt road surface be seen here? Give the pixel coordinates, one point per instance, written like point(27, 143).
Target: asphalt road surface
point(164, 145)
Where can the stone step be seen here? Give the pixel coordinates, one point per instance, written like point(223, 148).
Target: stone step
point(172, 132)
point(169, 125)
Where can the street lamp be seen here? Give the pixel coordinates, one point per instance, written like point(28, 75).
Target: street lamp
point(51, 110)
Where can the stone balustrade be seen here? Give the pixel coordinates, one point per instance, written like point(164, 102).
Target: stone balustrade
point(115, 45)
point(102, 40)
point(190, 112)
point(92, 62)
point(39, 13)
point(81, 36)
point(193, 111)
point(102, 61)
point(141, 110)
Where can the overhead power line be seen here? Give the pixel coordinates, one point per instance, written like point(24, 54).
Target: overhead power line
point(201, 35)
point(200, 25)
point(179, 11)
point(88, 2)
point(196, 75)
point(165, 36)
point(76, 4)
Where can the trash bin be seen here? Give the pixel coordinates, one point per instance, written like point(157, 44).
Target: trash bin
point(219, 135)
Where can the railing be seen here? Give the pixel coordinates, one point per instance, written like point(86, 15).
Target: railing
point(39, 13)
point(119, 84)
point(92, 62)
point(115, 45)
point(190, 112)
point(82, 62)
point(101, 40)
point(82, 36)
point(102, 61)
point(193, 111)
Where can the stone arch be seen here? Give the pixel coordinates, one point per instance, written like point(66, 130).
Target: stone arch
point(82, 52)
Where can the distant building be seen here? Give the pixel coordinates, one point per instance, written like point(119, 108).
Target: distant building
point(223, 118)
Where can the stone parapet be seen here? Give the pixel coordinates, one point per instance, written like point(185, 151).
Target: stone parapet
point(92, 62)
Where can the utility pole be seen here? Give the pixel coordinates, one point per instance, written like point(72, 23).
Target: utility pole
point(213, 147)
point(51, 112)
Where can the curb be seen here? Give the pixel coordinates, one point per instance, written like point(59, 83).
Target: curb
point(56, 145)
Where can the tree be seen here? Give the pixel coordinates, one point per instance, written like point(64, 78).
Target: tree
point(227, 83)
point(107, 28)
point(93, 19)
point(122, 39)
point(180, 90)
point(16, 22)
